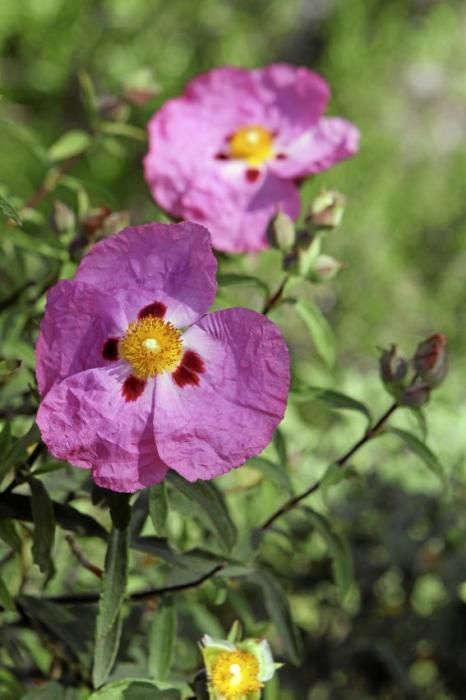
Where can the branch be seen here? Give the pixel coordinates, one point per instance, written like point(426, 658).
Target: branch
point(275, 298)
point(341, 462)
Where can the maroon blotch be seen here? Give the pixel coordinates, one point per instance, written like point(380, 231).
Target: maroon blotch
point(110, 349)
point(132, 388)
point(189, 370)
point(221, 156)
point(155, 309)
point(281, 156)
point(252, 174)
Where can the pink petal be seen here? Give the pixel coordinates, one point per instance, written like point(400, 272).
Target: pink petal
point(331, 141)
point(78, 321)
point(172, 264)
point(236, 210)
point(85, 420)
point(205, 429)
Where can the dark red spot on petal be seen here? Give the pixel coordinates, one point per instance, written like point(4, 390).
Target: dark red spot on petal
point(132, 388)
point(155, 309)
point(222, 156)
point(193, 362)
point(189, 370)
point(252, 174)
point(110, 349)
point(281, 156)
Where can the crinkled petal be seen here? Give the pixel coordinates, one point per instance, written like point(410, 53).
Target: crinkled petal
point(85, 420)
point(169, 263)
point(207, 429)
point(236, 211)
point(317, 149)
point(78, 320)
point(294, 97)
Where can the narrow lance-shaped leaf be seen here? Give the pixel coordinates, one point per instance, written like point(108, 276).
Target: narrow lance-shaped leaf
point(420, 449)
point(9, 211)
point(319, 330)
point(212, 508)
point(44, 526)
point(338, 549)
point(70, 144)
point(158, 507)
point(331, 399)
point(5, 597)
point(278, 608)
point(18, 450)
point(109, 621)
point(162, 639)
point(134, 689)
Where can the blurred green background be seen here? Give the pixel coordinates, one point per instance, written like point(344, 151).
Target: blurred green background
point(397, 70)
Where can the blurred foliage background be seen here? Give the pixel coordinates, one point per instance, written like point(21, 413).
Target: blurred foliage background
point(397, 71)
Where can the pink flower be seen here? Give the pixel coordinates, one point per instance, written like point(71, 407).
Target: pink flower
point(137, 378)
point(229, 152)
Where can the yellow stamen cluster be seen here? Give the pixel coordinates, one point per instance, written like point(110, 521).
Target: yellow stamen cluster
point(235, 674)
point(151, 346)
point(253, 144)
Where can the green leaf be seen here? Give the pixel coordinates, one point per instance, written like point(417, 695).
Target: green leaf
point(162, 639)
point(333, 475)
point(134, 689)
point(280, 446)
point(195, 561)
point(230, 279)
point(319, 330)
point(9, 535)
point(109, 620)
point(9, 211)
point(48, 691)
point(44, 526)
point(278, 608)
point(158, 507)
point(5, 598)
point(18, 507)
point(338, 549)
point(420, 449)
point(273, 471)
point(331, 399)
point(211, 507)
point(18, 451)
point(121, 129)
point(70, 144)
point(26, 137)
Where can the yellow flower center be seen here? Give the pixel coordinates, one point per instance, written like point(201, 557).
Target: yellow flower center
point(235, 674)
point(151, 346)
point(253, 144)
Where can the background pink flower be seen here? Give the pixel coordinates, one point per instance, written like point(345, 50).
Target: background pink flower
point(136, 378)
point(229, 151)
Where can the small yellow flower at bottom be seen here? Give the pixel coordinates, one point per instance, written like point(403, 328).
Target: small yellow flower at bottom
point(235, 674)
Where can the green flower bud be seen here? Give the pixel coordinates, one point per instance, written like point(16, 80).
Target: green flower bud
point(325, 269)
point(327, 210)
point(393, 366)
point(281, 232)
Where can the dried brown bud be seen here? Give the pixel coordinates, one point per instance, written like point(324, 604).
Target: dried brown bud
point(415, 395)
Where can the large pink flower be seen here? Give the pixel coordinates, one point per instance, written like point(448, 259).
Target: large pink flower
point(228, 153)
point(137, 378)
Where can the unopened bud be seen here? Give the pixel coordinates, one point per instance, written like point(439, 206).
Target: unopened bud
point(327, 210)
point(281, 232)
point(415, 395)
point(325, 269)
point(393, 367)
point(63, 218)
point(431, 360)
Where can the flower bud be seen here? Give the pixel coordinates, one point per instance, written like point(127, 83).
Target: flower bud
point(327, 210)
point(415, 395)
point(431, 360)
point(63, 218)
point(281, 232)
point(393, 367)
point(325, 269)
